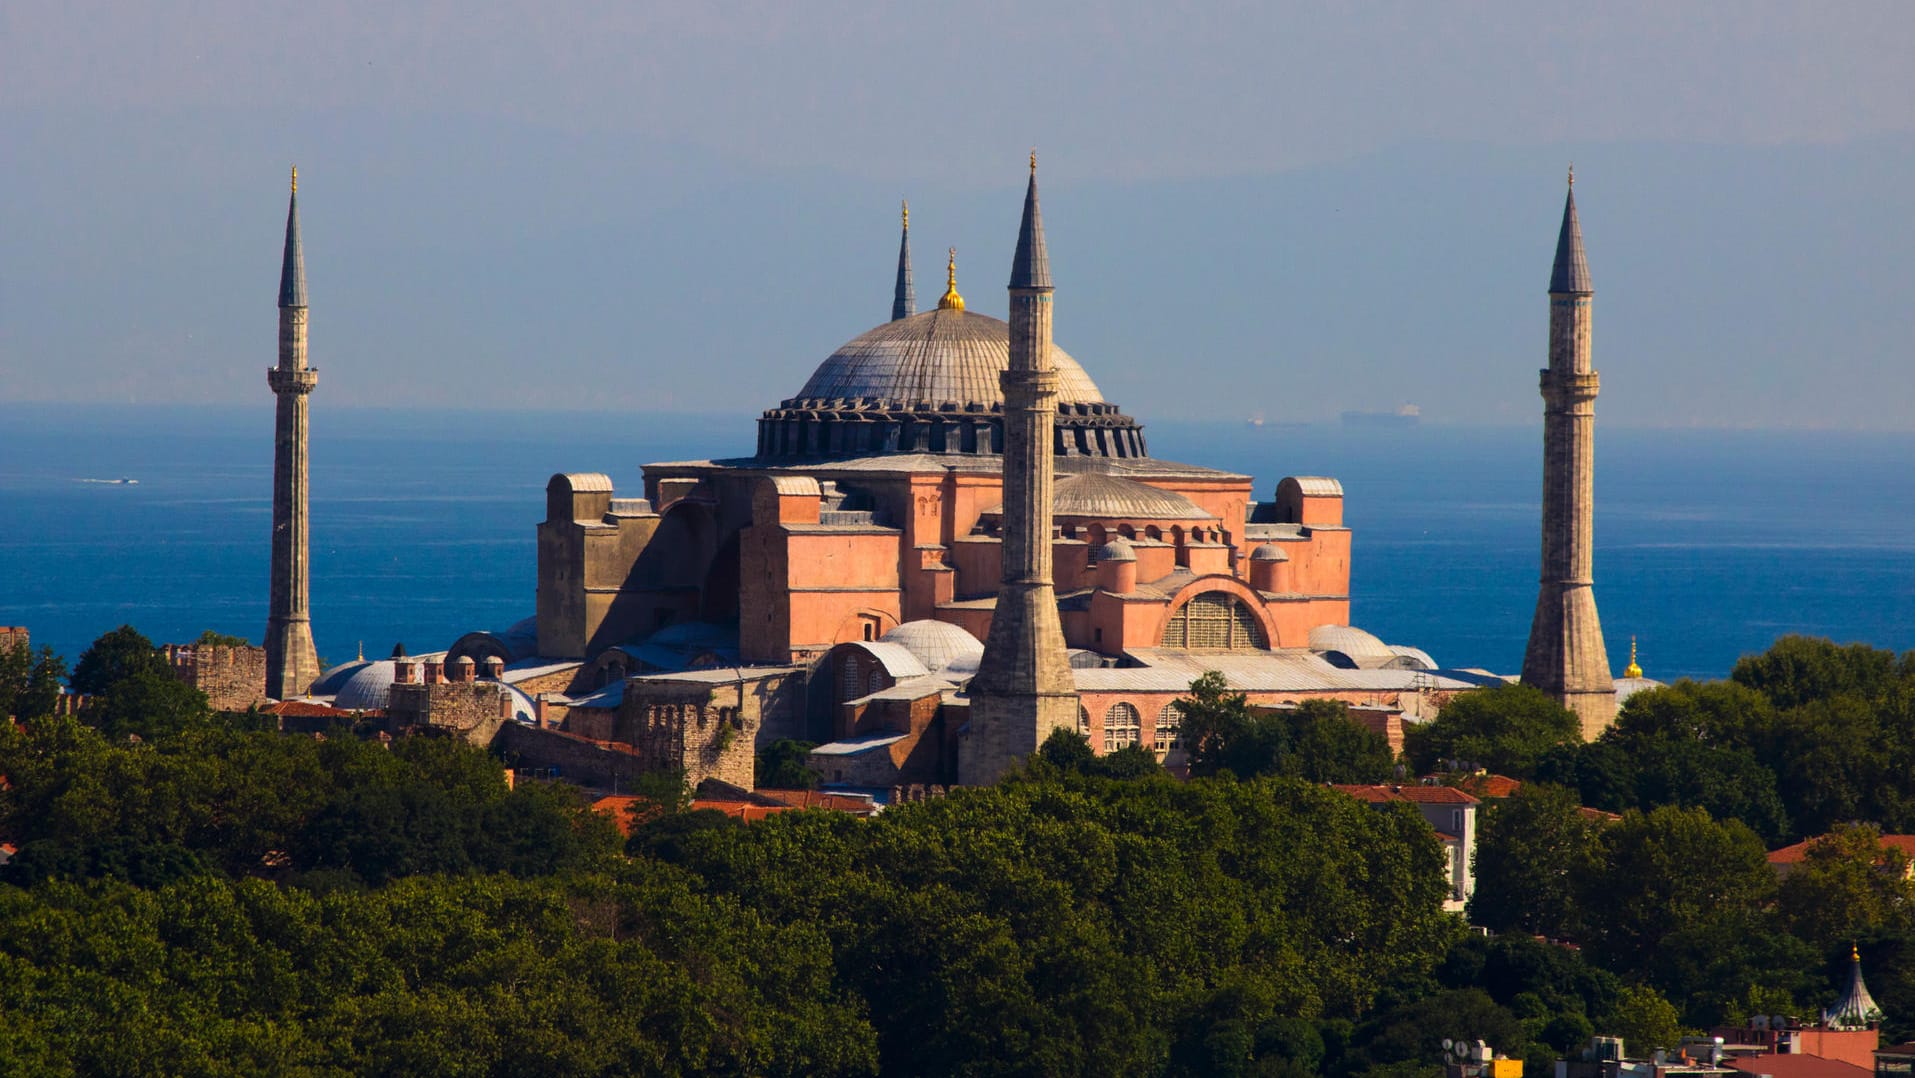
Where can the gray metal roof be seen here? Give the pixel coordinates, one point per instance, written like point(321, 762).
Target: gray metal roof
point(292, 266)
point(939, 645)
point(940, 355)
point(1571, 272)
point(852, 746)
point(904, 299)
point(1031, 265)
point(1111, 497)
point(1283, 670)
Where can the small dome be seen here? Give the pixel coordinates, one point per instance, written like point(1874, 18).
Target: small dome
point(1116, 550)
point(367, 690)
point(1350, 647)
point(1269, 552)
point(939, 645)
point(948, 354)
point(464, 660)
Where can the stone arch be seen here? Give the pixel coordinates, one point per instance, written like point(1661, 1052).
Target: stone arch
point(1246, 622)
point(868, 624)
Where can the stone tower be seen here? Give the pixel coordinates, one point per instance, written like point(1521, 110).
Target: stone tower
point(904, 300)
point(292, 664)
point(1566, 657)
point(1023, 689)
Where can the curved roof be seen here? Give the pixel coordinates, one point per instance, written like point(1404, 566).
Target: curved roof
point(1116, 550)
point(330, 681)
point(1361, 648)
point(939, 645)
point(368, 689)
point(1269, 552)
point(1314, 486)
point(1102, 496)
point(897, 660)
point(940, 355)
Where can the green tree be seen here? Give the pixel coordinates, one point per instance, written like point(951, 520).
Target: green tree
point(120, 654)
point(781, 766)
point(148, 705)
point(1847, 886)
point(1798, 670)
point(209, 638)
point(1535, 853)
point(1504, 728)
point(1219, 733)
point(1645, 1021)
point(29, 684)
point(1668, 871)
point(1329, 746)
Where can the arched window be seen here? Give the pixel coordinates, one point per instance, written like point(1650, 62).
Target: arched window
point(847, 678)
point(1170, 730)
point(875, 682)
point(1122, 725)
point(1083, 720)
point(1214, 621)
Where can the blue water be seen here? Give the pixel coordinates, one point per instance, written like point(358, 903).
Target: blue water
point(1708, 544)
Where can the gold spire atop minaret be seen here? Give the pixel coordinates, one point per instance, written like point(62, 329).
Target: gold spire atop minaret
point(1572, 174)
point(1033, 160)
point(295, 179)
point(1855, 953)
point(951, 301)
point(1632, 670)
point(905, 214)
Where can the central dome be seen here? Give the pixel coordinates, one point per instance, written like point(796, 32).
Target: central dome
point(938, 356)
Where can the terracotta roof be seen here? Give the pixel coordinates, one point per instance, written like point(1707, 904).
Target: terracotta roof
point(307, 710)
point(1794, 855)
point(1422, 795)
point(821, 799)
point(1488, 785)
point(1795, 1066)
point(741, 810)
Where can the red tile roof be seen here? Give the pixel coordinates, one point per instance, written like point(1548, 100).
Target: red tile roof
point(1422, 795)
point(1796, 1066)
point(1794, 855)
point(307, 710)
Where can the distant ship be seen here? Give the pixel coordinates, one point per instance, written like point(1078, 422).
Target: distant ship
point(120, 482)
point(1406, 416)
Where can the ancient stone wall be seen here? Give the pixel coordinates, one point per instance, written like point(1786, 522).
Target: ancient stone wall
point(473, 710)
point(12, 636)
point(232, 677)
point(569, 758)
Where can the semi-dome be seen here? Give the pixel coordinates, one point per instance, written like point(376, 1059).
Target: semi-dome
point(939, 645)
point(369, 688)
point(1100, 496)
point(941, 355)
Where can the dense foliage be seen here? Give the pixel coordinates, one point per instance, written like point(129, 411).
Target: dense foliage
point(196, 894)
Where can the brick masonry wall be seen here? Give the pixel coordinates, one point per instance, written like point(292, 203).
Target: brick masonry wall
point(233, 678)
point(12, 636)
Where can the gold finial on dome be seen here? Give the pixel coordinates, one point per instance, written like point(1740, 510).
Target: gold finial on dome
point(1632, 670)
point(295, 179)
point(951, 300)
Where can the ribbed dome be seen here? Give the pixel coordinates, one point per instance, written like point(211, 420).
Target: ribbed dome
point(938, 645)
point(1094, 494)
point(940, 355)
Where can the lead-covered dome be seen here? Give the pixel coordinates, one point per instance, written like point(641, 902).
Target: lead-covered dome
point(928, 383)
point(942, 355)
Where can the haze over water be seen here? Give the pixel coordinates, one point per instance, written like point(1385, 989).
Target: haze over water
point(1709, 544)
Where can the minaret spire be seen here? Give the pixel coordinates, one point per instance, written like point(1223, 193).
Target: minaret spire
point(1566, 657)
point(1024, 688)
point(292, 664)
point(904, 299)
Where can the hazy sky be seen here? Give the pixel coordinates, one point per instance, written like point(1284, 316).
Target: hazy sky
point(1273, 209)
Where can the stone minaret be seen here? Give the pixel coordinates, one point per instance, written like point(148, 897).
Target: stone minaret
point(1566, 658)
point(904, 301)
point(1023, 689)
point(291, 662)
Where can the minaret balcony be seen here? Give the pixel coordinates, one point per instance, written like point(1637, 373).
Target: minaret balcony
point(1570, 388)
point(299, 380)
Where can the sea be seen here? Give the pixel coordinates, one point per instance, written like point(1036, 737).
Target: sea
point(1709, 543)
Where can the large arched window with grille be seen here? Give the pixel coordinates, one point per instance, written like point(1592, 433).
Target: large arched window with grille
point(1214, 621)
point(1122, 727)
point(1083, 721)
point(1170, 730)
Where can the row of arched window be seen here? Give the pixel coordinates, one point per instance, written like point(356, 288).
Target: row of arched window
point(1123, 727)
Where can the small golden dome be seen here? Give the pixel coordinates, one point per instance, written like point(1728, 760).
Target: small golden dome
point(951, 301)
point(1632, 670)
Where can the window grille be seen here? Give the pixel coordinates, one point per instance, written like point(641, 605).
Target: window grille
point(1214, 622)
point(1122, 727)
point(1170, 730)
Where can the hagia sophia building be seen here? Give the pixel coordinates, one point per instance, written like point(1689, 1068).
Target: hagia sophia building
point(945, 544)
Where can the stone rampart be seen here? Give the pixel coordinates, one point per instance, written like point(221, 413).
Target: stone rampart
point(233, 677)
